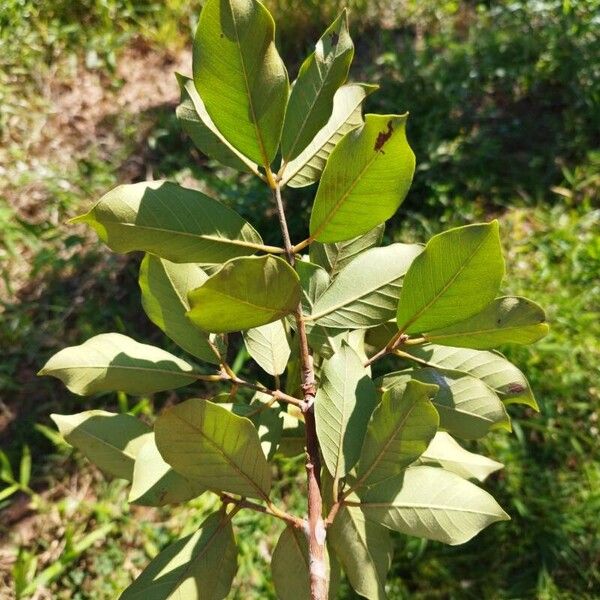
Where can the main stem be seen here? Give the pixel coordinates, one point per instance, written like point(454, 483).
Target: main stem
point(316, 527)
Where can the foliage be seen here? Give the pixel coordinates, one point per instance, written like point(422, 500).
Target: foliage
point(390, 459)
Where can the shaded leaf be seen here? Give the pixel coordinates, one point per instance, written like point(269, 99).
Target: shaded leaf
point(491, 367)
point(346, 115)
point(196, 122)
point(268, 345)
point(311, 99)
point(400, 430)
point(366, 292)
point(334, 257)
point(345, 400)
point(109, 440)
point(366, 178)
point(209, 444)
point(240, 75)
point(155, 483)
point(432, 503)
point(200, 566)
point(455, 277)
point(114, 362)
point(445, 451)
point(468, 408)
point(505, 320)
point(165, 286)
point(245, 293)
point(365, 550)
point(290, 565)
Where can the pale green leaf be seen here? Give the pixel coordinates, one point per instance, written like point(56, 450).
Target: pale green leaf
point(240, 75)
point(366, 178)
point(155, 483)
point(456, 276)
point(505, 320)
point(200, 566)
point(400, 430)
point(345, 400)
point(366, 292)
point(445, 451)
point(290, 565)
point(176, 223)
point(113, 362)
point(311, 100)
point(269, 346)
point(109, 440)
point(209, 444)
point(491, 367)
point(365, 550)
point(468, 408)
point(346, 115)
point(165, 286)
point(334, 257)
point(245, 293)
point(432, 503)
point(196, 122)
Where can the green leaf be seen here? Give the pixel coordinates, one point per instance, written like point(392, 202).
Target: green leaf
point(365, 550)
point(113, 362)
point(366, 178)
point(400, 430)
point(220, 450)
point(491, 367)
point(365, 293)
point(268, 345)
point(165, 286)
point(432, 503)
point(505, 320)
point(311, 100)
point(468, 408)
point(334, 257)
point(457, 275)
point(290, 566)
point(345, 400)
point(176, 223)
point(109, 440)
point(200, 566)
point(268, 420)
point(346, 115)
point(245, 293)
point(240, 75)
point(155, 483)
point(446, 452)
point(293, 436)
point(196, 122)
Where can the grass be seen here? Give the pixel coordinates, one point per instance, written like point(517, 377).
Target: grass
point(61, 287)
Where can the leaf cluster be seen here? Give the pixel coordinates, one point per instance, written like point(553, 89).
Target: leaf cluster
point(390, 459)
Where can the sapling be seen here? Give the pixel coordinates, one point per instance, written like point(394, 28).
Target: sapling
point(317, 316)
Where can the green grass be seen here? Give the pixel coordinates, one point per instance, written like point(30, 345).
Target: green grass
point(464, 129)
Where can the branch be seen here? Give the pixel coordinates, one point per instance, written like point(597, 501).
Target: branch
point(399, 339)
point(316, 527)
point(271, 509)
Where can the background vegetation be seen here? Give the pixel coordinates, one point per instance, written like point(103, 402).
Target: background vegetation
point(505, 112)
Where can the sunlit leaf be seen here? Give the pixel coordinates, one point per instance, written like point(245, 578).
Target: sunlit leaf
point(114, 362)
point(456, 276)
point(176, 223)
point(432, 503)
point(366, 178)
point(343, 405)
point(240, 75)
point(505, 320)
point(311, 99)
point(245, 293)
point(269, 346)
